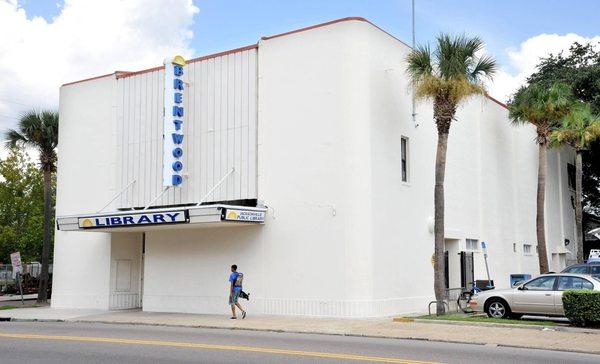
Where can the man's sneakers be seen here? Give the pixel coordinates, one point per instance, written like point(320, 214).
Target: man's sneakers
point(244, 315)
point(233, 318)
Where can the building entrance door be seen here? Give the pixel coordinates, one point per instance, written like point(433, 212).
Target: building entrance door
point(126, 271)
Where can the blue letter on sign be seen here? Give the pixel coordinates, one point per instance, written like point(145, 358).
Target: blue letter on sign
point(177, 84)
point(177, 124)
point(177, 138)
point(176, 179)
point(177, 152)
point(178, 70)
point(178, 111)
point(177, 166)
point(178, 98)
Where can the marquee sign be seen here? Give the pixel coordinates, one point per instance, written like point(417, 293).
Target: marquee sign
point(134, 219)
point(173, 122)
point(242, 215)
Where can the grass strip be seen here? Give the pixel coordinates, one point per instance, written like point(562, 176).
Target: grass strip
point(467, 318)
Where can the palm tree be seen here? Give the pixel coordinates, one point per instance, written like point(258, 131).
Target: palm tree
point(39, 130)
point(580, 128)
point(544, 108)
point(449, 75)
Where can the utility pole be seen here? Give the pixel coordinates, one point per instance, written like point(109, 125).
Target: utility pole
point(414, 111)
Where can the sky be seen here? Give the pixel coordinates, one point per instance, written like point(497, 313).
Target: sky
point(46, 43)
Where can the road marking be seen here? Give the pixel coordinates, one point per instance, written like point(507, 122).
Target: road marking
point(213, 347)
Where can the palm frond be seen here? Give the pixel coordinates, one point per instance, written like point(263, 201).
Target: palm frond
point(485, 67)
point(544, 107)
point(453, 71)
point(579, 128)
point(419, 63)
point(38, 130)
point(14, 138)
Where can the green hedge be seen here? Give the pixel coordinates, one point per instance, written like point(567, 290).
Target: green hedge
point(582, 307)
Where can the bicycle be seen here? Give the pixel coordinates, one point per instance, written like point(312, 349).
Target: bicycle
point(465, 297)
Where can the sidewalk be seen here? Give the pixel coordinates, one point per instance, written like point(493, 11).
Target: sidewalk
point(538, 337)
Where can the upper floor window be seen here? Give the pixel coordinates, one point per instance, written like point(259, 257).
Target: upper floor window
point(404, 158)
point(527, 248)
point(571, 175)
point(472, 244)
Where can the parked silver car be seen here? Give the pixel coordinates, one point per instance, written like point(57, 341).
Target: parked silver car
point(538, 296)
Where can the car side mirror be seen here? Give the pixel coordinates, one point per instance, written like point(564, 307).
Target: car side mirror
point(521, 288)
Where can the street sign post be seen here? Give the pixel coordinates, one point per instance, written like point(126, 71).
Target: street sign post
point(15, 259)
point(487, 268)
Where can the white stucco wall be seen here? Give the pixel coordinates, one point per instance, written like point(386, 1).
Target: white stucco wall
point(85, 182)
point(344, 236)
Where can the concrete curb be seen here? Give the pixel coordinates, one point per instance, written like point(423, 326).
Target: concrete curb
point(316, 332)
point(577, 330)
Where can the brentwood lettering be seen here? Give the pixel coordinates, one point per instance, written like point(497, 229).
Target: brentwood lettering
point(174, 111)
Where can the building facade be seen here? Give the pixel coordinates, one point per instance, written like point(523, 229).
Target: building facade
point(302, 164)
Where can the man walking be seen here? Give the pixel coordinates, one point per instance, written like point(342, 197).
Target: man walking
point(235, 280)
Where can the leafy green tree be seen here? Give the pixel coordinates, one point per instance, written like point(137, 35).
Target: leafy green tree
point(543, 107)
point(449, 75)
point(580, 69)
point(21, 207)
point(580, 128)
point(39, 130)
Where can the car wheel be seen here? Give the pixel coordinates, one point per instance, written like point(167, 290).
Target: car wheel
point(498, 308)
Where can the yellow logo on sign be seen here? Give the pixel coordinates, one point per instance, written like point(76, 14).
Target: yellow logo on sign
point(178, 60)
point(232, 215)
point(87, 223)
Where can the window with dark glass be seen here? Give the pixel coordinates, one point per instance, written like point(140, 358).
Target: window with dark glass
point(404, 158)
point(571, 175)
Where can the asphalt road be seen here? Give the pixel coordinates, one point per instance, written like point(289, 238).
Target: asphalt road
point(37, 342)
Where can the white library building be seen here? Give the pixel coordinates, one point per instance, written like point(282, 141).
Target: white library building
point(298, 159)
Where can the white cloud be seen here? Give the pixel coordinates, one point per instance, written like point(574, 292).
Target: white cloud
point(87, 38)
point(524, 59)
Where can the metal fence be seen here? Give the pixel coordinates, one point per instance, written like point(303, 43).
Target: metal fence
point(7, 276)
point(452, 295)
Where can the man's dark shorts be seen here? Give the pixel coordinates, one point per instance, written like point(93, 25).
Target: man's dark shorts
point(234, 297)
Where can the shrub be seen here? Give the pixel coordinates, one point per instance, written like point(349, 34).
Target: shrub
point(582, 307)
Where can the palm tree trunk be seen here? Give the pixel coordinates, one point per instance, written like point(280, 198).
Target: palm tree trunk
point(43, 287)
point(439, 278)
point(578, 206)
point(539, 221)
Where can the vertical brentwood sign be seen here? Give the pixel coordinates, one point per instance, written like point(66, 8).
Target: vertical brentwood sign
point(173, 122)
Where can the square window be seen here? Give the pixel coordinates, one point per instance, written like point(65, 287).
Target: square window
point(472, 244)
point(527, 248)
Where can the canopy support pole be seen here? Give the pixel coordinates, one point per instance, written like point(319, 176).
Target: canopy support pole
point(116, 196)
point(157, 197)
point(215, 187)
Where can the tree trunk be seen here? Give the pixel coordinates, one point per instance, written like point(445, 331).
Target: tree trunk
point(43, 287)
point(438, 200)
point(539, 221)
point(578, 206)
